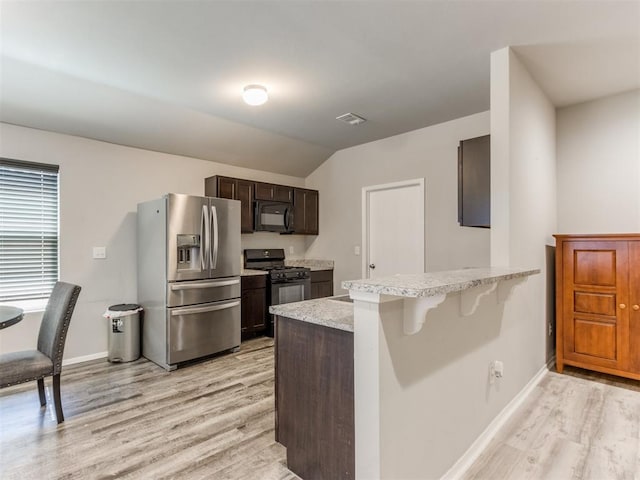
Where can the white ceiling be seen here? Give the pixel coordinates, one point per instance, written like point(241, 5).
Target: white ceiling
point(167, 76)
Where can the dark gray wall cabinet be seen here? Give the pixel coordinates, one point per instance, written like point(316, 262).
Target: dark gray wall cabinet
point(474, 182)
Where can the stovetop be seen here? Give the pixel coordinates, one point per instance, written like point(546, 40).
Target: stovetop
point(272, 261)
point(272, 267)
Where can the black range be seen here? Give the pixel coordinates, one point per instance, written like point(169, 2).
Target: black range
point(286, 284)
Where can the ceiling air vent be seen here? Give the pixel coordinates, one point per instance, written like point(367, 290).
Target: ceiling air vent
point(351, 119)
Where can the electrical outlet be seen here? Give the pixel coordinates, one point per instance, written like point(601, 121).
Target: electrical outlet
point(99, 253)
point(291, 250)
point(550, 329)
point(496, 370)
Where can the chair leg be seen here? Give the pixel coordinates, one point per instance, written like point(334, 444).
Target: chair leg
point(43, 398)
point(56, 398)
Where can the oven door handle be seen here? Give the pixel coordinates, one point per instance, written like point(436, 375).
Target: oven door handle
point(210, 308)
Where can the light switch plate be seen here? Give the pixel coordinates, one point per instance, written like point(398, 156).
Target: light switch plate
point(99, 252)
point(356, 250)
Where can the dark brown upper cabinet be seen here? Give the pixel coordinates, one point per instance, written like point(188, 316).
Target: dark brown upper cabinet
point(305, 202)
point(474, 182)
point(270, 191)
point(305, 211)
point(234, 189)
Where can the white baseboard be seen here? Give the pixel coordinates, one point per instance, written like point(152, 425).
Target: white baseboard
point(478, 446)
point(84, 358)
point(551, 364)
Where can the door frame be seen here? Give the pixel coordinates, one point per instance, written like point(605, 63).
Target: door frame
point(366, 194)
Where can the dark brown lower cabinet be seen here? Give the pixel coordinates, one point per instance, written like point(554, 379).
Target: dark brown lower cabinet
point(321, 283)
point(253, 305)
point(314, 399)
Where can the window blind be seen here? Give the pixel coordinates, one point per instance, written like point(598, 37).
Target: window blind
point(28, 230)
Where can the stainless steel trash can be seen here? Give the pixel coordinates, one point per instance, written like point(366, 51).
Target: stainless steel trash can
point(124, 332)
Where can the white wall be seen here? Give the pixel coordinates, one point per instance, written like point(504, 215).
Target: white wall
point(433, 390)
point(100, 186)
point(599, 165)
point(523, 211)
point(429, 153)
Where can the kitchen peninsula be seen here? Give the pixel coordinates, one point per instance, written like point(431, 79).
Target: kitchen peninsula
point(370, 389)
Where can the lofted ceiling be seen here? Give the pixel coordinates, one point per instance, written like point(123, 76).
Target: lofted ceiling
point(167, 75)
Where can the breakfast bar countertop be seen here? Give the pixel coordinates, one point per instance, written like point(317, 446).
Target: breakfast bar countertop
point(436, 283)
point(328, 312)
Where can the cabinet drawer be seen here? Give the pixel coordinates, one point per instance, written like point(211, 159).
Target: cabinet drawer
point(254, 281)
point(321, 276)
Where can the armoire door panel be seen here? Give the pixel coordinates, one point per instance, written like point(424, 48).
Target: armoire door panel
point(595, 339)
point(595, 278)
point(595, 303)
point(634, 307)
point(594, 267)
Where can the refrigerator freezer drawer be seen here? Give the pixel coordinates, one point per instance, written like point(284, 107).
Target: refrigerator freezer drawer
point(201, 330)
point(202, 291)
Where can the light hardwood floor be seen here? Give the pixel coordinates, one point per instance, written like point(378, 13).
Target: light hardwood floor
point(578, 425)
point(134, 420)
point(215, 420)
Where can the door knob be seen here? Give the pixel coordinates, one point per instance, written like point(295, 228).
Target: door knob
point(372, 266)
point(636, 307)
point(622, 306)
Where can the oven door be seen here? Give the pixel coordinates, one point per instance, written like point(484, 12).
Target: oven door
point(274, 217)
point(291, 291)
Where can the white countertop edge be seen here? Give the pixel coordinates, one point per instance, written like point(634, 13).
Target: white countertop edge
point(251, 273)
point(322, 311)
point(312, 263)
point(436, 283)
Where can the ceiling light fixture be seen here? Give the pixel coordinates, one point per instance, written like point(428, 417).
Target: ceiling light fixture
point(255, 95)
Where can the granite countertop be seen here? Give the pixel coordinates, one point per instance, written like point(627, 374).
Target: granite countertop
point(248, 272)
point(310, 263)
point(321, 311)
point(435, 283)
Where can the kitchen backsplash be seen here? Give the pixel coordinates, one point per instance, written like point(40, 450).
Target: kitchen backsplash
point(273, 240)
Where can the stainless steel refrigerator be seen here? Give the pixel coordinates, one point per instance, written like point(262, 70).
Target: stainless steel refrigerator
point(188, 277)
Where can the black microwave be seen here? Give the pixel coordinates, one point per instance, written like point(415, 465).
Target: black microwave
point(273, 217)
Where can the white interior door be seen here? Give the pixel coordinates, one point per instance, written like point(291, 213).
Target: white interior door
point(393, 229)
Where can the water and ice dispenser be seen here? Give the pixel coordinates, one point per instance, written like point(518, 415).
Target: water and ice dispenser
point(188, 254)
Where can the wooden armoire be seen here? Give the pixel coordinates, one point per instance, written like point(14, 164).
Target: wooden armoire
point(598, 303)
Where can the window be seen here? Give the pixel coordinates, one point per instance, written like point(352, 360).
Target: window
point(28, 231)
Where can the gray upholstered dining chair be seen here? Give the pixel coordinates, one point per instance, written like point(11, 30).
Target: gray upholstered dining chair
point(29, 365)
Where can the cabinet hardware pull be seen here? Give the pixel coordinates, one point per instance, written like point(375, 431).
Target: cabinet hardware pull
point(636, 307)
point(622, 306)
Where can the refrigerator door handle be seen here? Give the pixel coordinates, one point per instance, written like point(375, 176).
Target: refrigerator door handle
point(207, 229)
point(203, 239)
point(213, 255)
point(211, 308)
point(223, 283)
